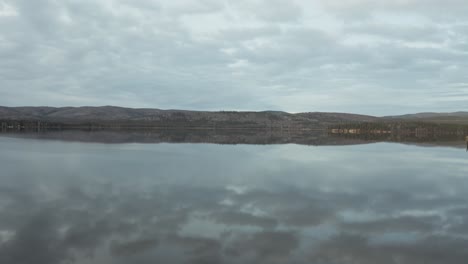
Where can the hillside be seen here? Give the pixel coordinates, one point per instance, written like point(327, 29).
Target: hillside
point(120, 117)
point(443, 118)
point(111, 115)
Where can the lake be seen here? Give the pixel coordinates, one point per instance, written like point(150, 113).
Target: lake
point(95, 203)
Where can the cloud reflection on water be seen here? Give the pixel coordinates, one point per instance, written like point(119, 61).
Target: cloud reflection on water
point(231, 204)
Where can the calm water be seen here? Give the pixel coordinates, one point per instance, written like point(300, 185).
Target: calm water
point(65, 202)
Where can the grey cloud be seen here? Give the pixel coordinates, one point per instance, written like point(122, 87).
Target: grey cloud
point(421, 224)
point(244, 219)
point(272, 10)
point(267, 247)
point(133, 247)
point(199, 249)
point(257, 55)
point(199, 7)
point(420, 33)
point(349, 248)
point(447, 10)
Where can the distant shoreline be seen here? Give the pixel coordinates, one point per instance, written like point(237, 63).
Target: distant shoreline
point(120, 117)
point(230, 127)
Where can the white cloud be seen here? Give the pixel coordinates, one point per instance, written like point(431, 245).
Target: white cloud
point(7, 10)
point(374, 57)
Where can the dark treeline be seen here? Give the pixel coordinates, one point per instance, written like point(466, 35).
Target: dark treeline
point(32, 125)
point(20, 125)
point(401, 131)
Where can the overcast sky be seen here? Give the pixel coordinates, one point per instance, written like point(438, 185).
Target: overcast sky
point(364, 56)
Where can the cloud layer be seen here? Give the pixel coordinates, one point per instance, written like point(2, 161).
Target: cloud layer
point(373, 57)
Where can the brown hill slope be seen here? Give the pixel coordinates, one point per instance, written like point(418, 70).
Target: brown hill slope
point(443, 118)
point(143, 115)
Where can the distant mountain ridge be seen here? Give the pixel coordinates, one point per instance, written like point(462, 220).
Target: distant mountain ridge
point(180, 118)
point(113, 113)
point(430, 115)
point(460, 117)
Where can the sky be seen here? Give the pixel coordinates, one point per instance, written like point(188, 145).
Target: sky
point(378, 57)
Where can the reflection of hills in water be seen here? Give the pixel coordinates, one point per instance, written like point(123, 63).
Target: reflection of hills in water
point(404, 132)
point(253, 136)
point(448, 141)
point(257, 136)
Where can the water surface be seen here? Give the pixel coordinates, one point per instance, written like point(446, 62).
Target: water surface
point(92, 203)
